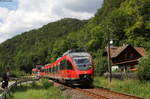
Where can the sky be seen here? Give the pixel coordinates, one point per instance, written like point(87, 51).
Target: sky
point(18, 16)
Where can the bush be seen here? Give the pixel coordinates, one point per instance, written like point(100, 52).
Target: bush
point(17, 73)
point(34, 84)
point(100, 63)
point(46, 84)
point(144, 68)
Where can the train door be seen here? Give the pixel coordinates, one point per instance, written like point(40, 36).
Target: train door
point(50, 71)
point(55, 71)
point(59, 70)
point(69, 69)
point(62, 69)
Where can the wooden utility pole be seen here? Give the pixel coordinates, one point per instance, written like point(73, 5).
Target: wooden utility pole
point(109, 62)
point(109, 57)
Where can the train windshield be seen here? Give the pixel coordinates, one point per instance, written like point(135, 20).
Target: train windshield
point(82, 63)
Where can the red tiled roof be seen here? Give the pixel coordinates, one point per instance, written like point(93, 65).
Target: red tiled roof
point(141, 50)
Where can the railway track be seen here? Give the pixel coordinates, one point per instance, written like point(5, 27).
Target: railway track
point(98, 93)
point(108, 94)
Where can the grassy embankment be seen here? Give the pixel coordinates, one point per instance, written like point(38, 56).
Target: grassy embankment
point(37, 90)
point(133, 87)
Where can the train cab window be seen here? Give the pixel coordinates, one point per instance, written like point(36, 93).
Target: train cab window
point(69, 65)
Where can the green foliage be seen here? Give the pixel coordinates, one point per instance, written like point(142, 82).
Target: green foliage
point(46, 84)
point(144, 68)
point(100, 63)
point(17, 73)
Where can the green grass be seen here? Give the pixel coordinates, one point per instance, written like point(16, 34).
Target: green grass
point(37, 90)
point(133, 87)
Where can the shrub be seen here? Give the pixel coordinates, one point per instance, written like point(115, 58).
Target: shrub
point(34, 84)
point(100, 63)
point(46, 84)
point(17, 73)
point(144, 68)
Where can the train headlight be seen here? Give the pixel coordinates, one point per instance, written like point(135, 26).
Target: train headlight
point(85, 76)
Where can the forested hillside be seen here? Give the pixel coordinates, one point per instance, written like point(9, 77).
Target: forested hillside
point(35, 47)
point(126, 21)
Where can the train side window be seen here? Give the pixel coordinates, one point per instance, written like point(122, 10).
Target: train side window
point(52, 69)
point(56, 69)
point(42, 70)
point(49, 70)
point(62, 65)
point(69, 65)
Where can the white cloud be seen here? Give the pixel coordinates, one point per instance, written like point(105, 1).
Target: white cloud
point(32, 14)
point(3, 13)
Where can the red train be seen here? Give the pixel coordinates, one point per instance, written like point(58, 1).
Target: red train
point(73, 67)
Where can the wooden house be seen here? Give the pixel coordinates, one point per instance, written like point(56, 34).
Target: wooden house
point(126, 56)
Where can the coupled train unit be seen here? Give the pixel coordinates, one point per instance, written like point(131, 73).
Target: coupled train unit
point(73, 67)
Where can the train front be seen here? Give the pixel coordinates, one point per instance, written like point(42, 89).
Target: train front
point(84, 67)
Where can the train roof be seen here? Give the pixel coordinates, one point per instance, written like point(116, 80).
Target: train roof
point(79, 54)
point(74, 53)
